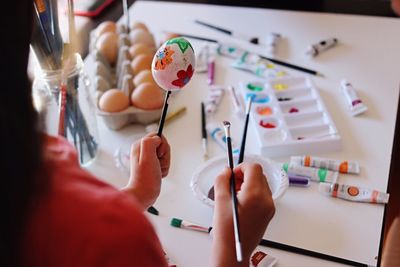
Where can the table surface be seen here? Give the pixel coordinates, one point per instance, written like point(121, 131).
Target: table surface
point(366, 56)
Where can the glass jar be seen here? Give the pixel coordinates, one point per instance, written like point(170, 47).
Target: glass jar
point(80, 125)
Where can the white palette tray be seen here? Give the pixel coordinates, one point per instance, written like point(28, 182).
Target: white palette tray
point(290, 118)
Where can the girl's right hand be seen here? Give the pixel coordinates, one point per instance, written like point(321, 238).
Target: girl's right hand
point(255, 208)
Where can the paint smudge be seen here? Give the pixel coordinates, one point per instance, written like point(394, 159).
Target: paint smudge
point(264, 110)
point(280, 86)
point(258, 98)
point(284, 99)
point(254, 88)
point(267, 124)
point(293, 110)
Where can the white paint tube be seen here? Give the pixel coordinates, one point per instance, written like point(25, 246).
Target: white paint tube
point(330, 164)
point(353, 193)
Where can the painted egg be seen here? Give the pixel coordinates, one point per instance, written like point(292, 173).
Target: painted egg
point(173, 64)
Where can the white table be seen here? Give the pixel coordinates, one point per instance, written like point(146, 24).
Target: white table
point(368, 56)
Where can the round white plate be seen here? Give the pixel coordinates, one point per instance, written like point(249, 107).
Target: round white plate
point(204, 176)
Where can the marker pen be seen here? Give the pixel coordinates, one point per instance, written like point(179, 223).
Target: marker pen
point(354, 103)
point(315, 49)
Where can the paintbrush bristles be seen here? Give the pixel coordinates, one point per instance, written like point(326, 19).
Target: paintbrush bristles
point(227, 126)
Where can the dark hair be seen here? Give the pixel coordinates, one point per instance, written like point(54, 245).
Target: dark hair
point(20, 143)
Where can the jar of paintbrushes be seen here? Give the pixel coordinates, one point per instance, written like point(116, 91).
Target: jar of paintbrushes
point(66, 106)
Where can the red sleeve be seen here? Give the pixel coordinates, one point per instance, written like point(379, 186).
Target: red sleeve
point(82, 221)
point(124, 237)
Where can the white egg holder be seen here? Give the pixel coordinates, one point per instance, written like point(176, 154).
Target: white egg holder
point(298, 123)
point(131, 115)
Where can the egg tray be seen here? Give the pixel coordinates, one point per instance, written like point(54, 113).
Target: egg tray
point(290, 118)
point(131, 115)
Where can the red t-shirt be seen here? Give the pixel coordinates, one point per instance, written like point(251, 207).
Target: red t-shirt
point(81, 221)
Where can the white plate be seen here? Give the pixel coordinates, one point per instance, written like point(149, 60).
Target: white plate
point(204, 176)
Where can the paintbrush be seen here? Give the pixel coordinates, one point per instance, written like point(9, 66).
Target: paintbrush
point(126, 13)
point(246, 123)
point(253, 40)
point(164, 113)
point(238, 246)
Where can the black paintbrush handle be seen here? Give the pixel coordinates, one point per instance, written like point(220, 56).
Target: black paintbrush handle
point(213, 27)
point(164, 114)
point(302, 251)
point(243, 144)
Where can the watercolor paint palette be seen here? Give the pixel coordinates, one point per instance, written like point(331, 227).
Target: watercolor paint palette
point(290, 117)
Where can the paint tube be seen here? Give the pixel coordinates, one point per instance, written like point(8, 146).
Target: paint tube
point(237, 102)
point(262, 259)
point(354, 103)
point(330, 164)
point(314, 174)
point(353, 193)
point(230, 51)
point(258, 66)
point(214, 98)
point(273, 39)
point(218, 135)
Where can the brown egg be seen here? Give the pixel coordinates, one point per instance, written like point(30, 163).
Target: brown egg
point(142, 36)
point(147, 96)
point(141, 62)
point(105, 26)
point(142, 77)
point(168, 36)
point(139, 25)
point(140, 48)
point(113, 100)
point(107, 44)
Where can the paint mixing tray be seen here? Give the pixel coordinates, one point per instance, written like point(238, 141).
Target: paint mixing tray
point(290, 118)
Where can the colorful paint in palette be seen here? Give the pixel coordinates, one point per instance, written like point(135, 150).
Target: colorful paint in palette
point(290, 117)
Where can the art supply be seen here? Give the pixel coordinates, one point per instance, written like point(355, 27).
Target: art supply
point(315, 49)
point(152, 210)
point(330, 164)
point(279, 130)
point(237, 102)
point(217, 134)
point(216, 92)
point(170, 117)
point(238, 246)
point(258, 66)
point(62, 107)
point(253, 40)
point(262, 259)
point(236, 53)
point(204, 131)
point(179, 223)
point(310, 253)
point(202, 59)
point(172, 68)
point(126, 14)
point(244, 135)
point(353, 101)
point(47, 43)
point(297, 180)
point(302, 251)
point(353, 193)
point(314, 174)
point(273, 40)
point(210, 71)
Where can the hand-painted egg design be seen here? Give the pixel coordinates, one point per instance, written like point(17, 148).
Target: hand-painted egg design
point(173, 64)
